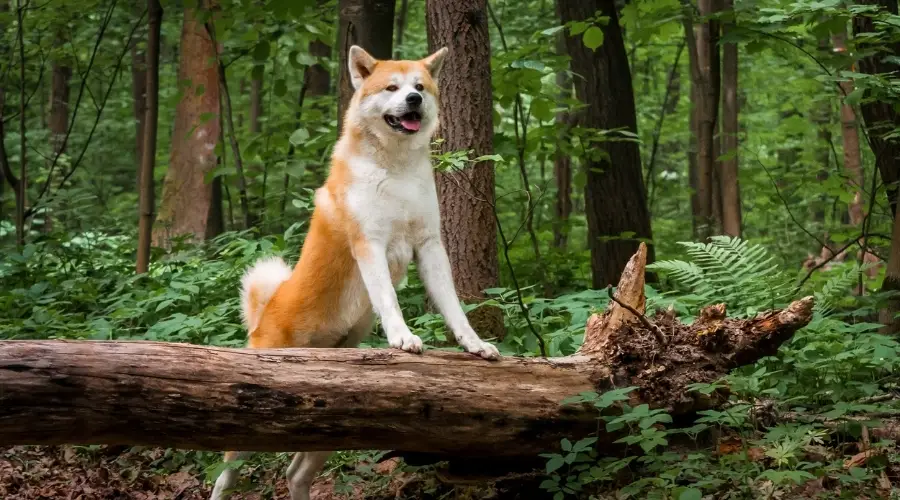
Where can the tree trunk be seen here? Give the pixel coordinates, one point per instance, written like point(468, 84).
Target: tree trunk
point(730, 188)
point(369, 24)
point(210, 398)
point(467, 196)
point(186, 195)
point(703, 50)
point(562, 160)
point(881, 118)
point(401, 27)
point(58, 120)
point(615, 196)
point(850, 136)
point(22, 183)
point(148, 146)
point(256, 101)
point(317, 84)
point(139, 103)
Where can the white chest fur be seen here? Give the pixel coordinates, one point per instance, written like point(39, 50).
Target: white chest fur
point(393, 206)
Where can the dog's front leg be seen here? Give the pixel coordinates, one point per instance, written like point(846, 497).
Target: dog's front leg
point(434, 266)
point(371, 257)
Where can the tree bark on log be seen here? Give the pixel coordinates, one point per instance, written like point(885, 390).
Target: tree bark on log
point(196, 397)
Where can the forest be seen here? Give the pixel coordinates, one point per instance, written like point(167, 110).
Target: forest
point(676, 216)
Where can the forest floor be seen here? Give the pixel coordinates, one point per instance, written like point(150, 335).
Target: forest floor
point(123, 473)
point(100, 472)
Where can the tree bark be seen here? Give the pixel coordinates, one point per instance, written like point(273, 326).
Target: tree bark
point(467, 196)
point(209, 398)
point(615, 195)
point(58, 119)
point(730, 187)
point(139, 103)
point(850, 136)
point(148, 146)
point(703, 51)
point(369, 24)
point(401, 27)
point(562, 160)
point(256, 102)
point(317, 85)
point(22, 183)
point(186, 195)
point(881, 117)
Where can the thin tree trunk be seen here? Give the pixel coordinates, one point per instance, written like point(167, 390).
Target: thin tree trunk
point(22, 182)
point(615, 196)
point(369, 24)
point(148, 148)
point(702, 42)
point(730, 188)
point(139, 103)
point(186, 197)
point(58, 121)
point(401, 27)
point(850, 136)
point(467, 197)
point(317, 84)
point(562, 160)
point(256, 100)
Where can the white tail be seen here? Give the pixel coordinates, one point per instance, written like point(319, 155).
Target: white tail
point(257, 287)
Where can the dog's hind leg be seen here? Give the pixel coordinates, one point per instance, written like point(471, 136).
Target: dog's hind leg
point(229, 477)
point(303, 470)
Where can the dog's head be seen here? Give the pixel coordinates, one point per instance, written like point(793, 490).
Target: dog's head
point(395, 98)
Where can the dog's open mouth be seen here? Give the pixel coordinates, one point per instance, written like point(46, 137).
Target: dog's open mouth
point(408, 123)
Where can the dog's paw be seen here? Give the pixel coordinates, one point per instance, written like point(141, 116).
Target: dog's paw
point(407, 342)
point(477, 346)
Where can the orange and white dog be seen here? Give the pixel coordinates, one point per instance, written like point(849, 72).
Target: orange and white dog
point(376, 210)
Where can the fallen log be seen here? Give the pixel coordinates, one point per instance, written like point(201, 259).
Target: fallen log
point(209, 398)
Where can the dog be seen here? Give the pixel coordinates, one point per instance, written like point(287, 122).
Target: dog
point(377, 208)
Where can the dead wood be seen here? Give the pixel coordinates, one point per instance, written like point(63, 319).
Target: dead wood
point(199, 397)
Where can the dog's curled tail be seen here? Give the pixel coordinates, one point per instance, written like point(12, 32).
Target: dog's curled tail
point(258, 286)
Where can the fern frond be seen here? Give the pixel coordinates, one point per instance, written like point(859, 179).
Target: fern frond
point(836, 288)
point(730, 270)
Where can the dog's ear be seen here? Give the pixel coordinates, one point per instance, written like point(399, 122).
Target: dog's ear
point(361, 65)
point(434, 62)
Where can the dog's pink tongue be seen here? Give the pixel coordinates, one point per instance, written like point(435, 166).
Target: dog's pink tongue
point(411, 124)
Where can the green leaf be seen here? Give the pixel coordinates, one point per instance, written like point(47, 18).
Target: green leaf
point(854, 97)
point(280, 87)
point(261, 51)
point(299, 136)
point(554, 463)
point(552, 31)
point(593, 38)
point(691, 494)
point(578, 27)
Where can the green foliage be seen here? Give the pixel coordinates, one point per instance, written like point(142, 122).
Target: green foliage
point(743, 276)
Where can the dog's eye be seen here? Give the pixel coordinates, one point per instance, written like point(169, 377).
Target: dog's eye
point(420, 87)
point(391, 88)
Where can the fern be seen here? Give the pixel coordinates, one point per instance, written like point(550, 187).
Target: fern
point(835, 289)
point(728, 270)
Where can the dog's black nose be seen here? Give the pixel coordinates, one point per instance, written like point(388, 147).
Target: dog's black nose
point(414, 99)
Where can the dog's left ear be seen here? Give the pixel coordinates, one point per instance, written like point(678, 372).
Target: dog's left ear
point(434, 62)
